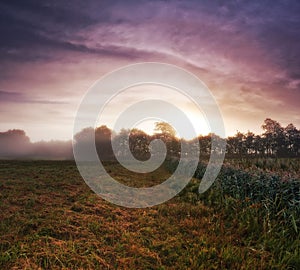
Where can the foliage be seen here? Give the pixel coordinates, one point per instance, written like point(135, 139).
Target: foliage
point(276, 141)
point(264, 204)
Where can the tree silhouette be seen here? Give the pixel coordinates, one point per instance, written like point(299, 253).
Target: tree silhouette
point(293, 139)
point(275, 141)
point(139, 144)
point(274, 135)
point(166, 133)
point(103, 143)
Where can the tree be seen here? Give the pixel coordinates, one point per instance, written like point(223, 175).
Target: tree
point(14, 143)
point(293, 139)
point(139, 144)
point(103, 143)
point(274, 135)
point(249, 142)
point(166, 132)
point(259, 145)
point(120, 140)
point(236, 144)
point(205, 144)
point(164, 128)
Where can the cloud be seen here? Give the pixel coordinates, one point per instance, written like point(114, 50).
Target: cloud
point(17, 97)
point(246, 52)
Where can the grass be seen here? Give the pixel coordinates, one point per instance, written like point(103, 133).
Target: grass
point(285, 167)
point(50, 219)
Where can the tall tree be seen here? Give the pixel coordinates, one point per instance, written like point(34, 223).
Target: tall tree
point(249, 142)
point(103, 142)
point(236, 144)
point(165, 129)
point(139, 144)
point(293, 139)
point(166, 132)
point(274, 135)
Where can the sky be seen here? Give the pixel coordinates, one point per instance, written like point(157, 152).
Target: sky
point(52, 52)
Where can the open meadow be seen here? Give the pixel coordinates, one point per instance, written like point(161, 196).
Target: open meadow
point(182, 115)
point(50, 219)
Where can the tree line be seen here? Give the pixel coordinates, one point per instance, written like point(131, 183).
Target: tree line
point(275, 141)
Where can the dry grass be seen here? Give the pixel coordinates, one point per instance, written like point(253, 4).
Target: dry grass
point(50, 219)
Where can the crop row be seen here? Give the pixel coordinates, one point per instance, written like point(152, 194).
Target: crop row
point(278, 197)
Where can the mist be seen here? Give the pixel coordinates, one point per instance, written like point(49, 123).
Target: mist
point(15, 144)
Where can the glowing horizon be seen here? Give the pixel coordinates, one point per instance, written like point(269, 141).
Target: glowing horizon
point(245, 52)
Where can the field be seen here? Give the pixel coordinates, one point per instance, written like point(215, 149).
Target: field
point(50, 219)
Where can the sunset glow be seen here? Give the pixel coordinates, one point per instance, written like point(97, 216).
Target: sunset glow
point(246, 53)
